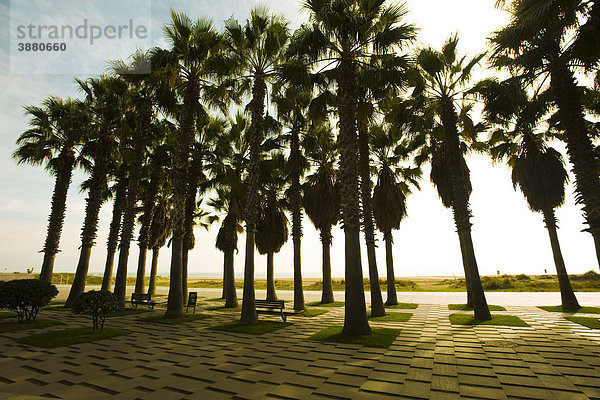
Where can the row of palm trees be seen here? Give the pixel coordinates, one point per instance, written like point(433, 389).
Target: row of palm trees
point(157, 128)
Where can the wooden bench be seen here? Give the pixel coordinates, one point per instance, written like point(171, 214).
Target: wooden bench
point(274, 307)
point(143, 299)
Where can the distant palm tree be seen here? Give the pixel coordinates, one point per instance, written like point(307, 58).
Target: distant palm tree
point(57, 129)
point(443, 78)
point(389, 195)
point(538, 44)
point(341, 36)
point(106, 102)
point(184, 65)
point(160, 231)
point(253, 51)
point(320, 198)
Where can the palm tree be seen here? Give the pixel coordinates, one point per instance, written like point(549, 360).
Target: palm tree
point(192, 45)
point(443, 78)
point(160, 231)
point(57, 129)
point(119, 202)
point(389, 195)
point(321, 200)
point(342, 35)
point(105, 98)
point(253, 51)
point(536, 46)
point(537, 169)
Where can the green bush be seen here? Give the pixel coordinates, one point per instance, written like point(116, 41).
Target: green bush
point(588, 276)
point(523, 277)
point(497, 283)
point(97, 303)
point(26, 297)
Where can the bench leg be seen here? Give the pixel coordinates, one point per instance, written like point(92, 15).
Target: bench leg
point(284, 317)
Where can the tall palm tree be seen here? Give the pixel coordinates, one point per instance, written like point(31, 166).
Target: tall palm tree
point(536, 46)
point(253, 51)
point(57, 129)
point(342, 35)
point(537, 169)
point(321, 200)
point(443, 79)
point(389, 195)
point(193, 43)
point(106, 100)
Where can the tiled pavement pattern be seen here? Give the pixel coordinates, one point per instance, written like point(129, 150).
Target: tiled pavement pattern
point(554, 359)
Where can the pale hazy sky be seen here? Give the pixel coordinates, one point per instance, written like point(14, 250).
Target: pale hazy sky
point(507, 236)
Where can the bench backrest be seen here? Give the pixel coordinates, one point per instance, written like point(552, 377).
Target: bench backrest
point(140, 296)
point(270, 303)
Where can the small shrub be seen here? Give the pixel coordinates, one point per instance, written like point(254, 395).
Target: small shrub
point(588, 276)
point(497, 283)
point(26, 297)
point(523, 277)
point(97, 303)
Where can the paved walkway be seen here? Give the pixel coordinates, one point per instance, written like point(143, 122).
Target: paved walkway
point(553, 359)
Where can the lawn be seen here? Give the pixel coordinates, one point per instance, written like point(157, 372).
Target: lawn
point(312, 313)
point(583, 310)
point(260, 329)
point(127, 311)
point(590, 322)
point(381, 337)
point(14, 326)
point(392, 317)
point(160, 319)
point(7, 314)
point(223, 308)
point(67, 337)
point(404, 306)
point(464, 307)
point(319, 304)
point(503, 320)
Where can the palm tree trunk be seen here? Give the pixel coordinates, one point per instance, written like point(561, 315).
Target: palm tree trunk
point(392, 298)
point(248, 315)
point(230, 294)
point(355, 313)
point(179, 188)
point(296, 218)
point(579, 145)
point(96, 195)
point(153, 271)
point(184, 274)
point(377, 306)
point(463, 254)
point(270, 278)
point(566, 290)
point(327, 291)
point(64, 173)
point(460, 209)
point(225, 277)
point(113, 233)
point(141, 132)
point(146, 222)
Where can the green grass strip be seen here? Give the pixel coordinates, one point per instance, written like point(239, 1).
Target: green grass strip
point(261, 328)
point(67, 337)
point(381, 337)
point(160, 319)
point(312, 313)
point(584, 310)
point(392, 317)
point(590, 322)
point(127, 311)
point(504, 320)
point(404, 306)
point(7, 314)
point(57, 308)
point(14, 326)
point(216, 299)
point(319, 304)
point(223, 308)
point(464, 307)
